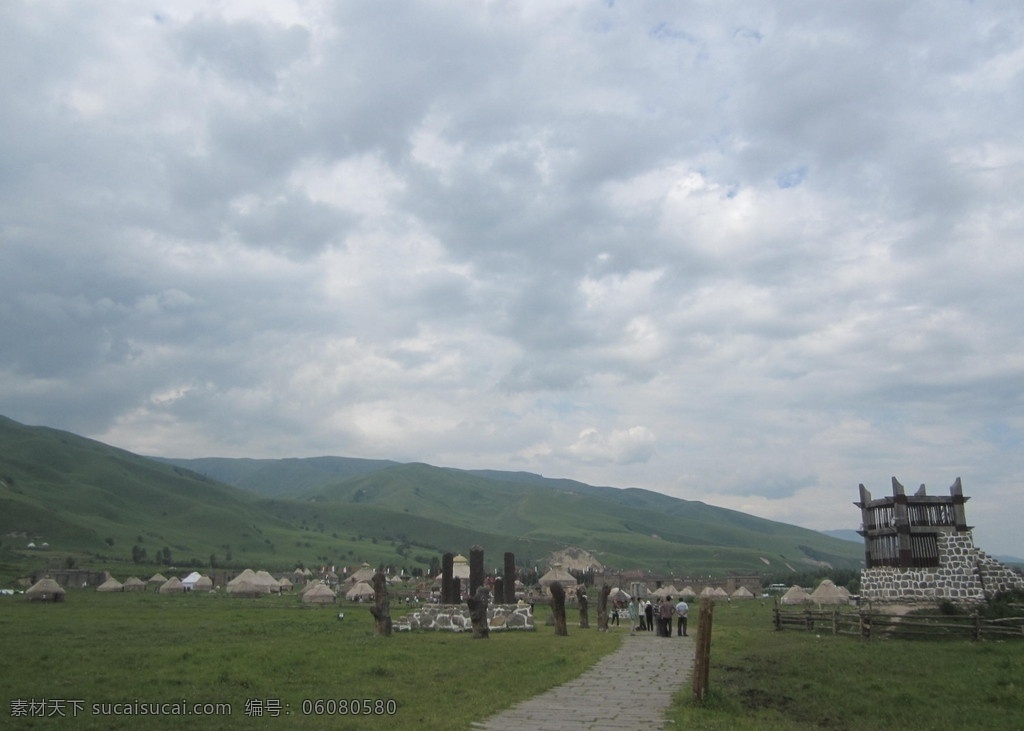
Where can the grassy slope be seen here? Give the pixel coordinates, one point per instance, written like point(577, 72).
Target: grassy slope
point(76, 494)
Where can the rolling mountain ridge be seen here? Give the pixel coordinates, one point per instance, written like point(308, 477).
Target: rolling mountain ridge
point(102, 504)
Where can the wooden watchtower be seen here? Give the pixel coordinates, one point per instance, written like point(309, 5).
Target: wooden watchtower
point(903, 530)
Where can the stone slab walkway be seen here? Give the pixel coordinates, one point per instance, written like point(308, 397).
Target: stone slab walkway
point(629, 689)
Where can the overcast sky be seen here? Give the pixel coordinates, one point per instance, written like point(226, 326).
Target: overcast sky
point(741, 252)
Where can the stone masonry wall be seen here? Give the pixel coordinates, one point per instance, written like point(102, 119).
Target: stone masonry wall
point(455, 618)
point(964, 574)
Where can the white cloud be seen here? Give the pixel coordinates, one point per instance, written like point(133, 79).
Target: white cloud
point(783, 239)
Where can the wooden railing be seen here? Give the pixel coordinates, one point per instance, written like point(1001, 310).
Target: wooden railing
point(868, 623)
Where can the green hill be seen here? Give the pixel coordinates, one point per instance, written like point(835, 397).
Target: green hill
point(101, 506)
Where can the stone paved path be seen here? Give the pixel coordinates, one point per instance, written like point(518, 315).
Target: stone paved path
point(629, 689)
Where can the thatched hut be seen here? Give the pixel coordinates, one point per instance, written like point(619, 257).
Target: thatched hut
point(265, 578)
point(110, 584)
point(204, 583)
point(244, 589)
point(742, 593)
point(319, 594)
point(156, 581)
point(828, 593)
point(559, 574)
point(172, 586)
point(363, 573)
point(795, 595)
point(45, 590)
point(360, 592)
point(134, 583)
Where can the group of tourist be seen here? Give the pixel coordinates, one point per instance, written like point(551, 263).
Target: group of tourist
point(659, 616)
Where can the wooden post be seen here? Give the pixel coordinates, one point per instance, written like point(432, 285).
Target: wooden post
point(602, 608)
point(702, 658)
point(558, 608)
point(510, 578)
point(476, 569)
point(447, 572)
point(865, 624)
point(584, 602)
point(478, 613)
point(381, 609)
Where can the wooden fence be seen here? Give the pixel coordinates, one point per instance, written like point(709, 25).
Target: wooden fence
point(868, 624)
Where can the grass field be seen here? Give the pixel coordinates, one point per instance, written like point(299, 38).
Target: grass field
point(269, 654)
point(798, 681)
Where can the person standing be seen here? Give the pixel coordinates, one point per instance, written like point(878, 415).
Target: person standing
point(666, 610)
point(649, 613)
point(682, 609)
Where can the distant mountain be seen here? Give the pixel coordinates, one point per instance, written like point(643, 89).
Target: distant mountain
point(533, 515)
point(92, 502)
point(846, 535)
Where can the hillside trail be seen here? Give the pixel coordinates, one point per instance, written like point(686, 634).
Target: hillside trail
point(629, 689)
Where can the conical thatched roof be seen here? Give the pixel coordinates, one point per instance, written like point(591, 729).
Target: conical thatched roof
point(320, 594)
point(45, 590)
point(708, 592)
point(285, 583)
point(362, 590)
point(110, 584)
point(742, 593)
point(253, 579)
point(134, 583)
point(172, 586)
point(363, 573)
point(267, 580)
point(559, 574)
point(828, 593)
point(244, 589)
point(687, 593)
point(795, 595)
point(203, 583)
point(157, 578)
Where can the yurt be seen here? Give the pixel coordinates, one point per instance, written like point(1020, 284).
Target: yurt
point(742, 593)
point(189, 582)
point(708, 592)
point(559, 574)
point(134, 583)
point(363, 573)
point(156, 581)
point(244, 589)
point(267, 580)
point(110, 584)
point(319, 594)
point(285, 583)
point(248, 580)
point(45, 590)
point(687, 593)
point(203, 583)
point(359, 592)
point(618, 595)
point(828, 593)
point(795, 595)
point(172, 586)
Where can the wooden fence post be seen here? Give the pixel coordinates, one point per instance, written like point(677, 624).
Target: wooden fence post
point(558, 608)
point(702, 658)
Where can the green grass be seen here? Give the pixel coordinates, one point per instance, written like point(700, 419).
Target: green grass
point(109, 648)
point(95, 504)
point(794, 681)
